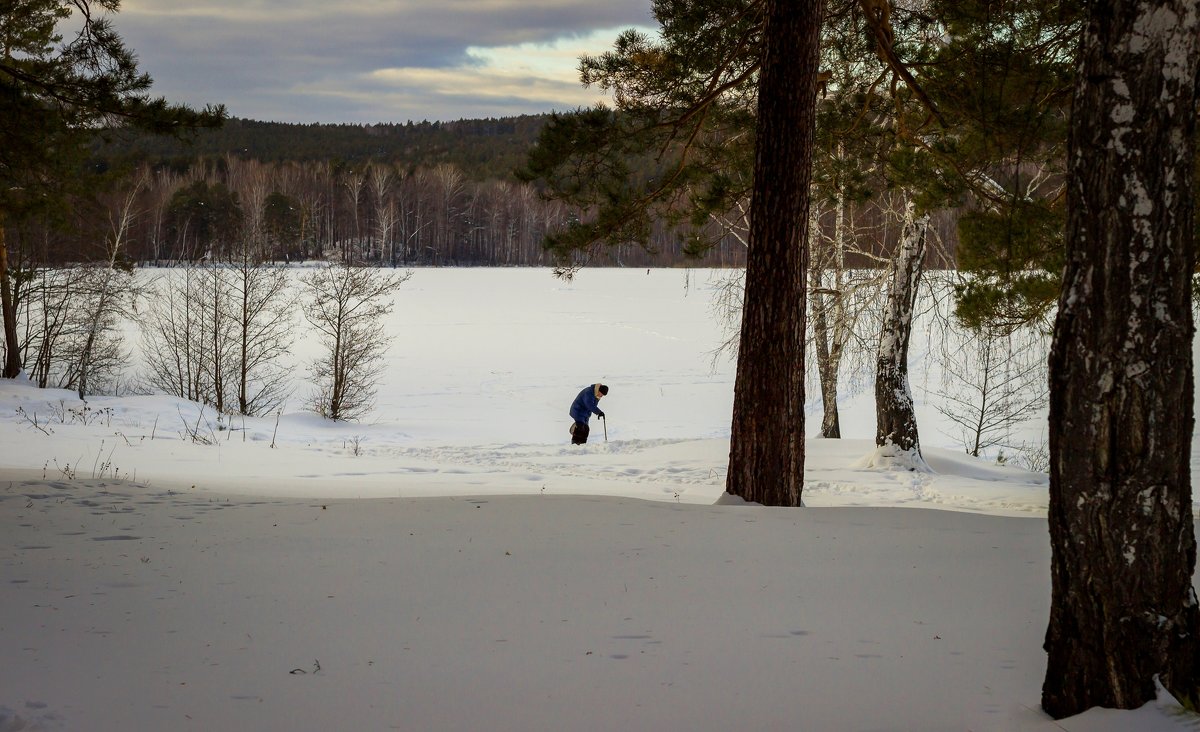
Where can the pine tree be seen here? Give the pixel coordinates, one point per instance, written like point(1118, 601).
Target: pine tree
point(678, 144)
point(766, 446)
point(53, 95)
point(999, 77)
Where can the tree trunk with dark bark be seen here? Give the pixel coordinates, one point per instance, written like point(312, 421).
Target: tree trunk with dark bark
point(1123, 610)
point(12, 351)
point(766, 450)
point(822, 301)
point(826, 368)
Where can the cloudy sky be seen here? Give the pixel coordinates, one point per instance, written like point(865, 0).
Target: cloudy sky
point(374, 60)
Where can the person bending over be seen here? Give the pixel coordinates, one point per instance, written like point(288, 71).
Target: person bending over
point(585, 405)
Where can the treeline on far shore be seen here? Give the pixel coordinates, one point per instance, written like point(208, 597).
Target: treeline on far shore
point(427, 194)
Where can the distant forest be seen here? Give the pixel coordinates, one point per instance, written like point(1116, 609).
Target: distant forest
point(481, 149)
point(412, 194)
point(404, 194)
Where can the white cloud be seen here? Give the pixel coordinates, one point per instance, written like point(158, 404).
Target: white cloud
point(558, 59)
point(542, 75)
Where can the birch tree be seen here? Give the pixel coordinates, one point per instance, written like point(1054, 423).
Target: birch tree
point(385, 210)
point(345, 305)
point(994, 382)
point(189, 342)
point(47, 309)
point(170, 333)
point(262, 327)
point(100, 342)
point(839, 299)
point(896, 433)
point(355, 182)
point(1123, 612)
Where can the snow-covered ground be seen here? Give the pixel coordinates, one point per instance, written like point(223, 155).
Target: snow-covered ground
point(452, 563)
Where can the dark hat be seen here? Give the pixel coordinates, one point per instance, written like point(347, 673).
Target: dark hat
point(603, 389)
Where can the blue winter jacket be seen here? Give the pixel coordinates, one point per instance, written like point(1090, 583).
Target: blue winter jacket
point(585, 405)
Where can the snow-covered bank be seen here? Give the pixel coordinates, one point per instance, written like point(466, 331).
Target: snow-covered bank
point(150, 439)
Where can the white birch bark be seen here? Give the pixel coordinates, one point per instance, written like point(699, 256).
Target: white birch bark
point(896, 435)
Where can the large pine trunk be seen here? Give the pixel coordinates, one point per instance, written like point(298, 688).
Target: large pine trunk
point(1123, 610)
point(895, 418)
point(766, 447)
